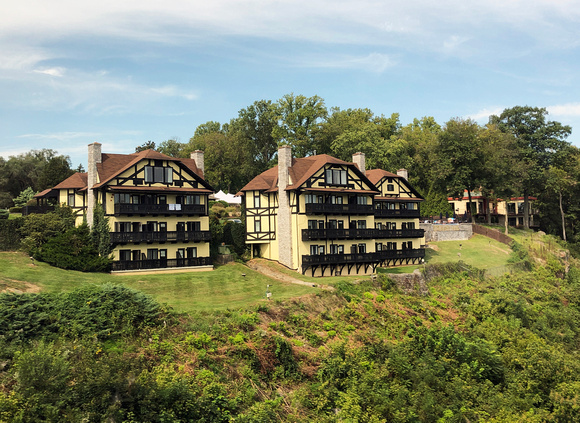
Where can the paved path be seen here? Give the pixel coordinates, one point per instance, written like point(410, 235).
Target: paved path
point(259, 266)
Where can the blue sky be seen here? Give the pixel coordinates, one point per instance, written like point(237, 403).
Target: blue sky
point(125, 72)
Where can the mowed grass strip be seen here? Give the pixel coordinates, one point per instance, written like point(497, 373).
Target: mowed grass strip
point(478, 251)
point(222, 288)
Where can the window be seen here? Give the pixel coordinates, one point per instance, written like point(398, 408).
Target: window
point(340, 224)
point(193, 226)
point(341, 249)
point(378, 225)
point(362, 248)
point(310, 199)
point(163, 254)
point(158, 174)
point(361, 224)
point(152, 254)
point(162, 226)
point(192, 199)
point(391, 245)
point(335, 176)
point(256, 200)
point(161, 199)
point(321, 224)
point(332, 224)
point(180, 253)
point(314, 250)
point(333, 249)
point(390, 187)
point(124, 227)
point(180, 227)
point(125, 255)
point(321, 249)
point(411, 206)
point(257, 225)
point(312, 224)
point(335, 199)
point(361, 199)
point(71, 199)
point(391, 226)
point(191, 252)
point(124, 199)
point(379, 246)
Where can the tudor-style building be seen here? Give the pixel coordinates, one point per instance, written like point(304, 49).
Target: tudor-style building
point(323, 216)
point(157, 207)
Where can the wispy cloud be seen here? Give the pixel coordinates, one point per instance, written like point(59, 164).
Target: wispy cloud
point(58, 71)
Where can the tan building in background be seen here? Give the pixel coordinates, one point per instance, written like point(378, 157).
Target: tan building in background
point(323, 216)
point(485, 208)
point(157, 207)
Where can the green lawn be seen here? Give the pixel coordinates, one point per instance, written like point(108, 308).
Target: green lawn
point(479, 251)
point(222, 288)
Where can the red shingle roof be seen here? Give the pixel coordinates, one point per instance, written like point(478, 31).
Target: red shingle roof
point(75, 181)
point(301, 170)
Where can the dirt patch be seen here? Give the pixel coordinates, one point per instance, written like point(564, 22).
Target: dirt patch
point(18, 287)
point(433, 247)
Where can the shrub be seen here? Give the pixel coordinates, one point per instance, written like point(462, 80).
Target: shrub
point(74, 250)
point(4, 214)
point(15, 209)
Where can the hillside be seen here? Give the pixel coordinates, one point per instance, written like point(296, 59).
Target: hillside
point(499, 349)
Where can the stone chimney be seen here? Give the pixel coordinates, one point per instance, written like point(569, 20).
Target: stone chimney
point(403, 173)
point(359, 160)
point(284, 223)
point(198, 157)
point(95, 157)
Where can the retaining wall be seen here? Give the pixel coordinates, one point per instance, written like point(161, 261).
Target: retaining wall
point(451, 232)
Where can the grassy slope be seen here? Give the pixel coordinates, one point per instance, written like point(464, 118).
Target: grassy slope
point(225, 287)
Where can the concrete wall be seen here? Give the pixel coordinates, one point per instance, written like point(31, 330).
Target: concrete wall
point(460, 232)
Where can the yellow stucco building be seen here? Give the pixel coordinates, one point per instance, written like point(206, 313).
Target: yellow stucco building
point(323, 216)
point(157, 207)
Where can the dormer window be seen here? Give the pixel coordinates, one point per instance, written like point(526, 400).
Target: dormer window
point(160, 174)
point(335, 176)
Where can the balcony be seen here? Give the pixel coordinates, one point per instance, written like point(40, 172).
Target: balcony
point(328, 259)
point(396, 213)
point(166, 209)
point(314, 234)
point(160, 236)
point(160, 263)
point(324, 208)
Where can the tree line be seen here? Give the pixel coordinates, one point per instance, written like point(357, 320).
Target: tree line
point(520, 152)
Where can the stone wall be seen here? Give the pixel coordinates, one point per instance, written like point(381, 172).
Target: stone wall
point(452, 232)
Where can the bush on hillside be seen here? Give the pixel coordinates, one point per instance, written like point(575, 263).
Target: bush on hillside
point(74, 250)
point(4, 214)
point(10, 234)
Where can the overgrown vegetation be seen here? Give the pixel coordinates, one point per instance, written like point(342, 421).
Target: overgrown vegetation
point(476, 349)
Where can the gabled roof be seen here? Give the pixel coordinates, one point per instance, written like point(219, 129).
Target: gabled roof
point(375, 175)
point(75, 181)
point(301, 170)
point(113, 164)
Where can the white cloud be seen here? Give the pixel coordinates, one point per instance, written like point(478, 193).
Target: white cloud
point(58, 71)
point(484, 114)
point(569, 109)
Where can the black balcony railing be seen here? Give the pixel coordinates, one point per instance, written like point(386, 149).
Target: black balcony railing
point(396, 213)
point(313, 234)
point(179, 209)
point(324, 208)
point(160, 263)
point(160, 236)
point(399, 233)
point(308, 260)
point(26, 210)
